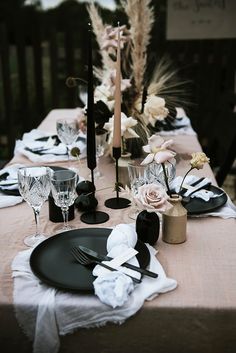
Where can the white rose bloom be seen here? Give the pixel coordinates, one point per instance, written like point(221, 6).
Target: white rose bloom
point(154, 109)
point(104, 94)
point(127, 125)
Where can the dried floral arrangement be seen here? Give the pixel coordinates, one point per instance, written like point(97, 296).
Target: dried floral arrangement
point(148, 105)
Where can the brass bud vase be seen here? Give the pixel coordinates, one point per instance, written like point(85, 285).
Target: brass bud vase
point(174, 222)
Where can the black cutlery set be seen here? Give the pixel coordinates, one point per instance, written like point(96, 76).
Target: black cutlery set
point(86, 257)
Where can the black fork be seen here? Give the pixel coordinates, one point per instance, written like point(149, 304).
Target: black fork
point(83, 259)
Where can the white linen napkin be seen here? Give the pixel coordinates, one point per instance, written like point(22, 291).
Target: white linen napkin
point(9, 200)
point(201, 194)
point(52, 153)
point(10, 183)
point(228, 210)
point(181, 120)
point(45, 313)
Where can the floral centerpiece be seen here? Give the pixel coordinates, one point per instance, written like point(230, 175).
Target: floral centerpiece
point(158, 151)
point(148, 103)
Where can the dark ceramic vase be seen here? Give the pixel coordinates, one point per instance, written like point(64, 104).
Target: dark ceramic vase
point(148, 227)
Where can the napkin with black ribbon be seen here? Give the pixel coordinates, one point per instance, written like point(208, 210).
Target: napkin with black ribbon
point(39, 146)
point(48, 312)
point(228, 210)
point(9, 195)
point(181, 125)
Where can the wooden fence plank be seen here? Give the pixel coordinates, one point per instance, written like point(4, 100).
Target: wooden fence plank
point(70, 63)
point(22, 75)
point(54, 67)
point(38, 70)
point(7, 89)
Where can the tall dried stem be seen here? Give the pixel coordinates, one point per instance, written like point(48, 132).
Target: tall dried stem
point(99, 30)
point(141, 17)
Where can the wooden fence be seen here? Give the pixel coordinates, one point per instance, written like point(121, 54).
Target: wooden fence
point(34, 69)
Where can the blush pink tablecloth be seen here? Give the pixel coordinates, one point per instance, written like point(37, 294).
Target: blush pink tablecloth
point(199, 316)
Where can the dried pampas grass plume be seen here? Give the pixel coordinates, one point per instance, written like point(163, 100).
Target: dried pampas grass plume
point(141, 17)
point(99, 30)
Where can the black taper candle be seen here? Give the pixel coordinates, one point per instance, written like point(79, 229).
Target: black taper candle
point(91, 142)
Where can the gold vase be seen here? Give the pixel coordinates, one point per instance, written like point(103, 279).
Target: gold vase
point(174, 222)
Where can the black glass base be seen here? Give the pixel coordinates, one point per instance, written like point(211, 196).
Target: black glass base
point(94, 217)
point(117, 203)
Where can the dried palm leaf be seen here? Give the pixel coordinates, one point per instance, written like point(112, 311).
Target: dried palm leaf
point(165, 82)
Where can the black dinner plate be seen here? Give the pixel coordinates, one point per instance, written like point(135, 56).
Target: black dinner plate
point(198, 206)
point(52, 262)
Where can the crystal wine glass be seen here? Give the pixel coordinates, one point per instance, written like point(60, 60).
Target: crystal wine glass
point(34, 187)
point(67, 131)
point(63, 186)
point(138, 176)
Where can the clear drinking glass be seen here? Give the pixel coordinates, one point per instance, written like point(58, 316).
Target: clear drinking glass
point(100, 149)
point(63, 187)
point(34, 187)
point(138, 176)
point(156, 174)
point(67, 131)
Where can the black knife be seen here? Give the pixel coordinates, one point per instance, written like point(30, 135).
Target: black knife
point(100, 257)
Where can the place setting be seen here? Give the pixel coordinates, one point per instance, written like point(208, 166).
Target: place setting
point(110, 269)
point(9, 192)
point(39, 146)
point(199, 195)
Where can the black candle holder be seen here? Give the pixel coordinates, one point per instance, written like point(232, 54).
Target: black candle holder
point(93, 216)
point(117, 202)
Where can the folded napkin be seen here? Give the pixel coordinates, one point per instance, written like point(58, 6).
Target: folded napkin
point(9, 183)
point(228, 210)
point(113, 288)
point(44, 313)
point(181, 125)
point(46, 150)
point(201, 194)
point(8, 200)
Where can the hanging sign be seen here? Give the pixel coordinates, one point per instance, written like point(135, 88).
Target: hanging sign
point(201, 19)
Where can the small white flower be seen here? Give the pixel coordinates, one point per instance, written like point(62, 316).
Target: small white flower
point(157, 150)
point(154, 109)
point(106, 91)
point(127, 125)
point(105, 94)
point(110, 37)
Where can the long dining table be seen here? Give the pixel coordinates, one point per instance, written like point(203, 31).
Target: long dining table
point(198, 316)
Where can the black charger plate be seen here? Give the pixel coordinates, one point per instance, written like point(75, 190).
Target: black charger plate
point(52, 262)
point(198, 206)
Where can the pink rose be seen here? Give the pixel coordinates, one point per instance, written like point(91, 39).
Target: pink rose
point(152, 197)
point(157, 150)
